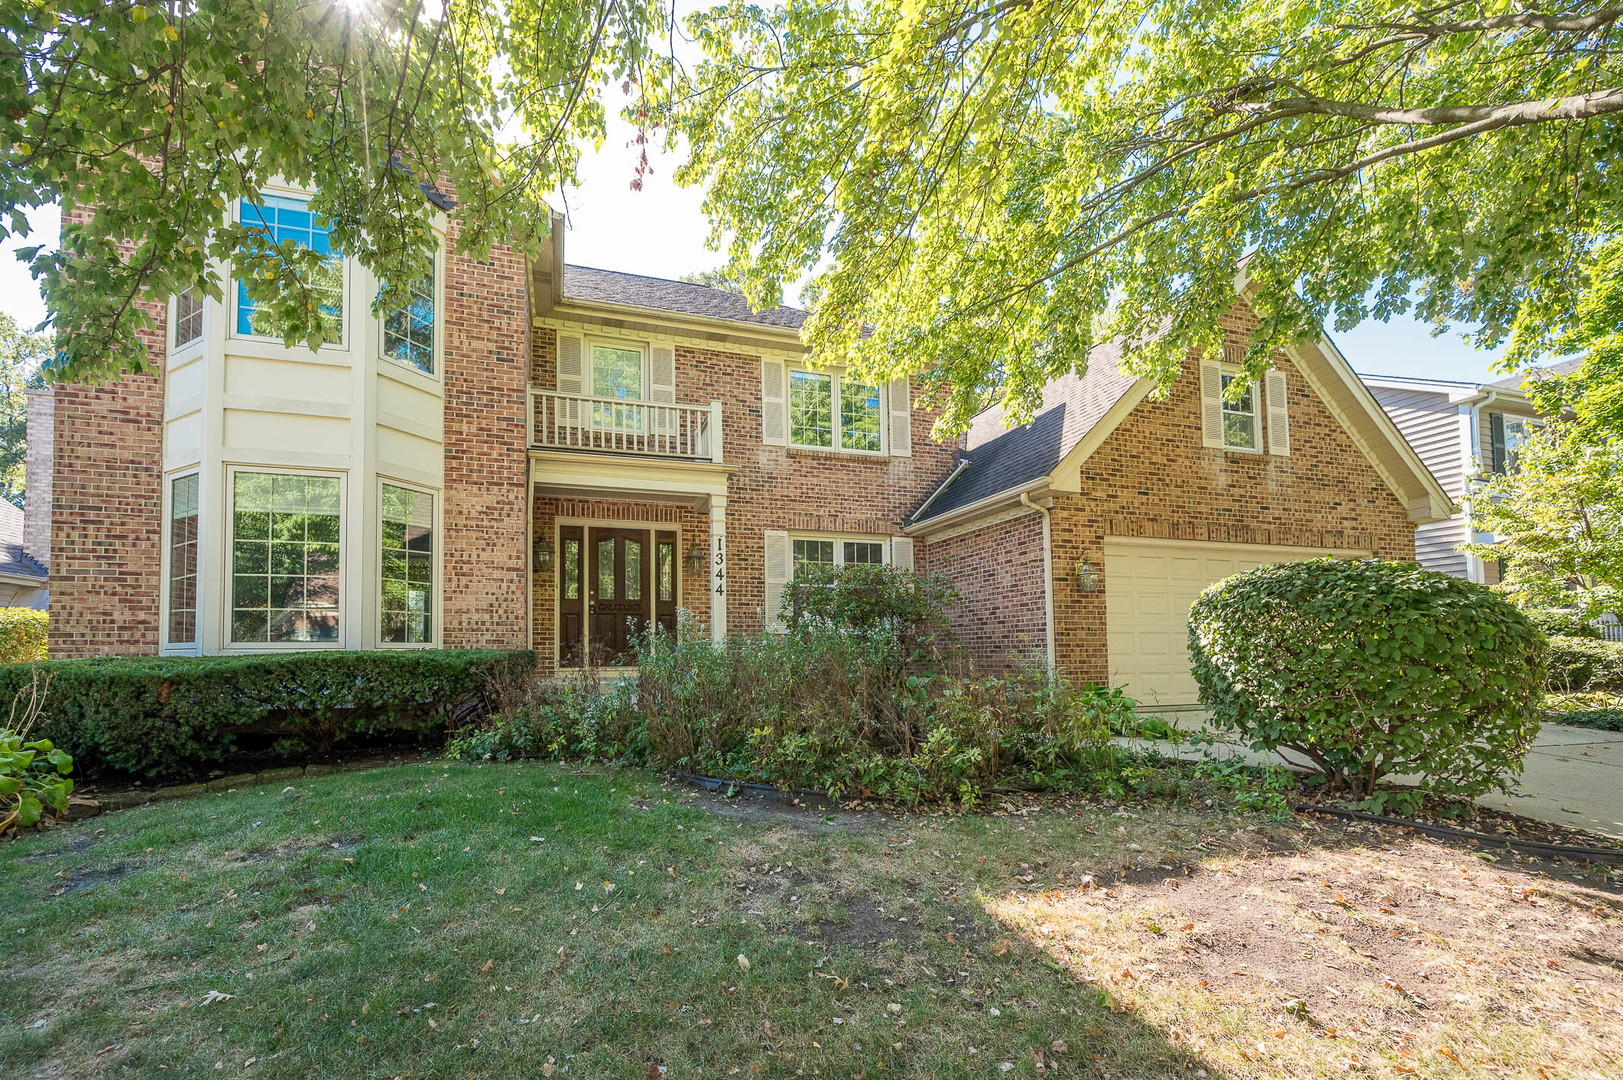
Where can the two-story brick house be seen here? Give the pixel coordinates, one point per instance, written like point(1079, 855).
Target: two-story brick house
point(554, 457)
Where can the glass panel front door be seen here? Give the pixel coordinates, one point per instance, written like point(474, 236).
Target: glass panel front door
point(618, 607)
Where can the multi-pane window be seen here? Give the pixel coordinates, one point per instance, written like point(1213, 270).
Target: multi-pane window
point(284, 557)
point(188, 317)
point(1240, 427)
point(814, 552)
point(183, 560)
point(284, 219)
point(408, 334)
point(811, 408)
point(828, 410)
point(859, 415)
point(616, 372)
point(408, 566)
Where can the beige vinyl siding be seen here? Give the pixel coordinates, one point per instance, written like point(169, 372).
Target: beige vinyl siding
point(1431, 423)
point(1436, 546)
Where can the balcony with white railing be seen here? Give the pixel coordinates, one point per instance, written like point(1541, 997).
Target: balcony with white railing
point(618, 426)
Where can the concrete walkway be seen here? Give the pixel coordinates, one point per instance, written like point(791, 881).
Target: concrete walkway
point(1573, 776)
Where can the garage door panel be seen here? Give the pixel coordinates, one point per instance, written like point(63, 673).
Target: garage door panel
point(1149, 588)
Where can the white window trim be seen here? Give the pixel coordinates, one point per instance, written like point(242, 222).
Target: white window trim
point(227, 566)
point(1256, 414)
point(343, 342)
point(436, 376)
point(588, 376)
point(840, 540)
point(377, 591)
point(177, 348)
point(836, 375)
point(193, 647)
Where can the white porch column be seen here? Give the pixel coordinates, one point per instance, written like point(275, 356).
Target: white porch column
point(718, 567)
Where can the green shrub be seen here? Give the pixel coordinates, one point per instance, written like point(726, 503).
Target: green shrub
point(1585, 708)
point(22, 635)
point(1555, 622)
point(561, 720)
point(1585, 664)
point(164, 718)
point(33, 772)
point(907, 606)
point(1372, 668)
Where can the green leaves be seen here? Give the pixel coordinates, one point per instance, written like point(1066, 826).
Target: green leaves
point(984, 192)
point(1370, 669)
point(32, 777)
point(147, 123)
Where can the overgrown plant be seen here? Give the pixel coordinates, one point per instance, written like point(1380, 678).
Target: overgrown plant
point(1369, 669)
point(33, 773)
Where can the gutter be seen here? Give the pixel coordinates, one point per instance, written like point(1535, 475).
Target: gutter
point(1048, 572)
point(963, 463)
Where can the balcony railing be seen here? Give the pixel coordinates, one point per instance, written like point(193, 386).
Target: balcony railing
point(617, 426)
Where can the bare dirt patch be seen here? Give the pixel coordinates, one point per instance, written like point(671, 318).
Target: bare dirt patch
point(1412, 958)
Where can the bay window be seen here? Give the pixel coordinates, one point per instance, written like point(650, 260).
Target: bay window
point(182, 599)
point(286, 219)
point(285, 547)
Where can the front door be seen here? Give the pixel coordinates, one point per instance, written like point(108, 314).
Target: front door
point(619, 593)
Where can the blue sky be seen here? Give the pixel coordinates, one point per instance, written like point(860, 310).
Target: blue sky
point(661, 231)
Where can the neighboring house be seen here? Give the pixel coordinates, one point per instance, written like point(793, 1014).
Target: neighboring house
point(552, 456)
point(1462, 431)
point(23, 581)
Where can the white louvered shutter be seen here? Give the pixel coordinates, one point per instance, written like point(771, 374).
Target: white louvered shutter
point(777, 577)
point(1211, 403)
point(899, 396)
point(901, 552)
point(662, 389)
point(1279, 425)
point(774, 403)
point(571, 374)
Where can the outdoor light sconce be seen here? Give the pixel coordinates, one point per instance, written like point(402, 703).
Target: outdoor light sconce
point(695, 557)
point(1087, 578)
point(543, 554)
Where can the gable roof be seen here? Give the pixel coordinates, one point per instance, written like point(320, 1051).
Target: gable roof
point(1079, 412)
point(678, 297)
point(998, 459)
point(1515, 382)
point(14, 562)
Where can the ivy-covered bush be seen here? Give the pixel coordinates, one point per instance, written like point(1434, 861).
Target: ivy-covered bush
point(22, 635)
point(1369, 669)
point(164, 718)
point(1580, 664)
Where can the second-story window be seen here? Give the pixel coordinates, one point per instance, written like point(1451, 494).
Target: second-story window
point(829, 410)
point(188, 317)
point(408, 334)
point(1240, 428)
point(285, 219)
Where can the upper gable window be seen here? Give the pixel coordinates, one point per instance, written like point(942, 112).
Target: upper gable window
point(830, 410)
point(1241, 429)
point(285, 219)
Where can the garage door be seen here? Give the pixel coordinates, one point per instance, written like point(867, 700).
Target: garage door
point(1149, 586)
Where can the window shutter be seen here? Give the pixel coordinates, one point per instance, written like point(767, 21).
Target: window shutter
point(901, 552)
point(662, 388)
point(899, 395)
point(1279, 427)
point(1496, 432)
point(570, 375)
point(1211, 403)
point(777, 576)
point(774, 403)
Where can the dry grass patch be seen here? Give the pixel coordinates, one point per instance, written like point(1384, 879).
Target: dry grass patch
point(1412, 960)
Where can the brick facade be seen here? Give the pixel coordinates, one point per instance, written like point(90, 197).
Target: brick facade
point(1001, 617)
point(775, 487)
point(486, 462)
point(107, 510)
point(1153, 478)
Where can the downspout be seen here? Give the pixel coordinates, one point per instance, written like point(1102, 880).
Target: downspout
point(1048, 572)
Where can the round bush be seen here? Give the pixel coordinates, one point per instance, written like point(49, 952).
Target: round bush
point(1369, 669)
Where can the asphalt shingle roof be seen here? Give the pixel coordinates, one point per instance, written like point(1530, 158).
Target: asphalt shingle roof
point(678, 297)
point(1515, 381)
point(999, 459)
point(12, 559)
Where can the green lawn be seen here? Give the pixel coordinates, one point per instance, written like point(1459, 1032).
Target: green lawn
point(520, 920)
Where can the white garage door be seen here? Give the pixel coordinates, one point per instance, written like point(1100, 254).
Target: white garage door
point(1149, 586)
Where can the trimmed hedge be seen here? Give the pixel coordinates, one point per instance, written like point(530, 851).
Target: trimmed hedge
point(22, 635)
point(165, 718)
point(1585, 664)
point(1370, 669)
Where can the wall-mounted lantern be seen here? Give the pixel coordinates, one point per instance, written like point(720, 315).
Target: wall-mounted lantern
point(695, 557)
point(542, 554)
point(1087, 578)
